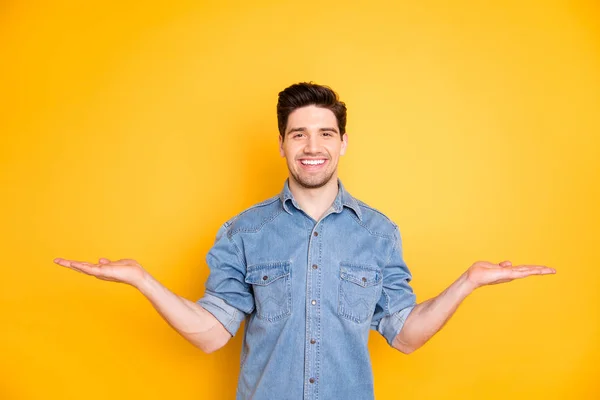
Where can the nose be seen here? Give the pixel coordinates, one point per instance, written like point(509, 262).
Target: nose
point(312, 145)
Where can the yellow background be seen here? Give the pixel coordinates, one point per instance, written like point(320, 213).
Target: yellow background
point(134, 129)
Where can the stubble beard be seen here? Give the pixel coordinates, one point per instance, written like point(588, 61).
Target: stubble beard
point(312, 182)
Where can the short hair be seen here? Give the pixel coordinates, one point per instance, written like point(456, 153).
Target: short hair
point(305, 94)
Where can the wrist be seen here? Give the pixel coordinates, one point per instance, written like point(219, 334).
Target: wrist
point(143, 282)
point(466, 285)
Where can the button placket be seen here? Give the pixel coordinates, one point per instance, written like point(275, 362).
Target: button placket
point(313, 315)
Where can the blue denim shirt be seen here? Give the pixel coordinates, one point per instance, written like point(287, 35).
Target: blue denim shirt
point(309, 292)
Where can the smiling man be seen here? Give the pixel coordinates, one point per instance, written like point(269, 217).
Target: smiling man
point(311, 271)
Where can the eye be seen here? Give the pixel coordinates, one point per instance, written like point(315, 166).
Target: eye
point(297, 135)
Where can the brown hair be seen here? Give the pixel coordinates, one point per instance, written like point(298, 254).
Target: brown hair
point(305, 94)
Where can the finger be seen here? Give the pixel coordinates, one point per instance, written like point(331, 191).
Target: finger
point(542, 268)
point(104, 261)
point(123, 261)
point(84, 263)
point(65, 263)
point(516, 274)
point(505, 264)
point(532, 265)
point(129, 261)
point(77, 266)
point(84, 266)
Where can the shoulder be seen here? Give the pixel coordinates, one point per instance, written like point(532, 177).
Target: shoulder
point(375, 221)
point(255, 217)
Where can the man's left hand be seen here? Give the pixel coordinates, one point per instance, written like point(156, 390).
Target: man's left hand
point(486, 273)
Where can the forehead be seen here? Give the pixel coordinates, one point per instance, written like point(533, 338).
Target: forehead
point(311, 117)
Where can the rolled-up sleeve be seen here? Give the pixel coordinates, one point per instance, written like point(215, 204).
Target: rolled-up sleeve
point(228, 297)
point(397, 297)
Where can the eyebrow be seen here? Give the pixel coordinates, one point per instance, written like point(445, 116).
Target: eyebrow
point(303, 129)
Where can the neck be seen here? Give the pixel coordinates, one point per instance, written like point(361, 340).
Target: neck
point(315, 202)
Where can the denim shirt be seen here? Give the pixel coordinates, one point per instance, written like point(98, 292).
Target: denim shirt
point(309, 292)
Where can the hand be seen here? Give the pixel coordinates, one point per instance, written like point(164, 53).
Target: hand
point(124, 271)
point(485, 273)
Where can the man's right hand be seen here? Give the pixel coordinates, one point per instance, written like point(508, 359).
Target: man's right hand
point(124, 271)
point(191, 320)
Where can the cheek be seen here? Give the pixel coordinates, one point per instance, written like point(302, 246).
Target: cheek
point(335, 152)
point(289, 154)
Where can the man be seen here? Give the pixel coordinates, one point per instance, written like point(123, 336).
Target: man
point(311, 271)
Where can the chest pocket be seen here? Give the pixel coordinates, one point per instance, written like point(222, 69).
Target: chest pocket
point(359, 290)
point(272, 289)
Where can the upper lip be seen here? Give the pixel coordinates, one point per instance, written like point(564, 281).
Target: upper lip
point(312, 159)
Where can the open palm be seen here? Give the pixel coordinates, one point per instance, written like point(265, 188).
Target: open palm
point(124, 271)
point(486, 273)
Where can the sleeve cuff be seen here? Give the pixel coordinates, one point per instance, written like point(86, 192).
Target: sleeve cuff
point(230, 317)
point(390, 325)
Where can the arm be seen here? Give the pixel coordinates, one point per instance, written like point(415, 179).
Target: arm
point(428, 317)
point(189, 319)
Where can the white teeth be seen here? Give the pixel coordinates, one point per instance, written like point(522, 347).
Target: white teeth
point(312, 162)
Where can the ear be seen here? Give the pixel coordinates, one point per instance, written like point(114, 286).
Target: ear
point(281, 146)
point(344, 144)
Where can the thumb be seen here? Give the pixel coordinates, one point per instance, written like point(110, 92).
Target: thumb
point(104, 261)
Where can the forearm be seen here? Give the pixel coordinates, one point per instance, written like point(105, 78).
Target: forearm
point(189, 319)
point(427, 318)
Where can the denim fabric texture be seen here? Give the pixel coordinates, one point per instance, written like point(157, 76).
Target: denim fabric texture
point(309, 293)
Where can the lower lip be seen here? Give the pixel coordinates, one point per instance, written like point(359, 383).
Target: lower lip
point(312, 167)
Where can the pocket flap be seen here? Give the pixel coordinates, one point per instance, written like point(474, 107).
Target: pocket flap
point(362, 275)
point(263, 274)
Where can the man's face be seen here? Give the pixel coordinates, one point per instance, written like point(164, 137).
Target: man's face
point(312, 146)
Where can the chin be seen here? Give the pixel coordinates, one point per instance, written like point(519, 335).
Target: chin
point(313, 183)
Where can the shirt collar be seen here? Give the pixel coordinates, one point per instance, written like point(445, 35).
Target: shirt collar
point(342, 199)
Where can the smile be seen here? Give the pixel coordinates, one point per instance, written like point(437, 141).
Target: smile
point(312, 162)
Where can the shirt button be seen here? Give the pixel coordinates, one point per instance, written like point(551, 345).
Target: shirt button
point(316, 234)
point(315, 266)
point(266, 277)
point(313, 302)
point(363, 279)
point(313, 341)
point(312, 380)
